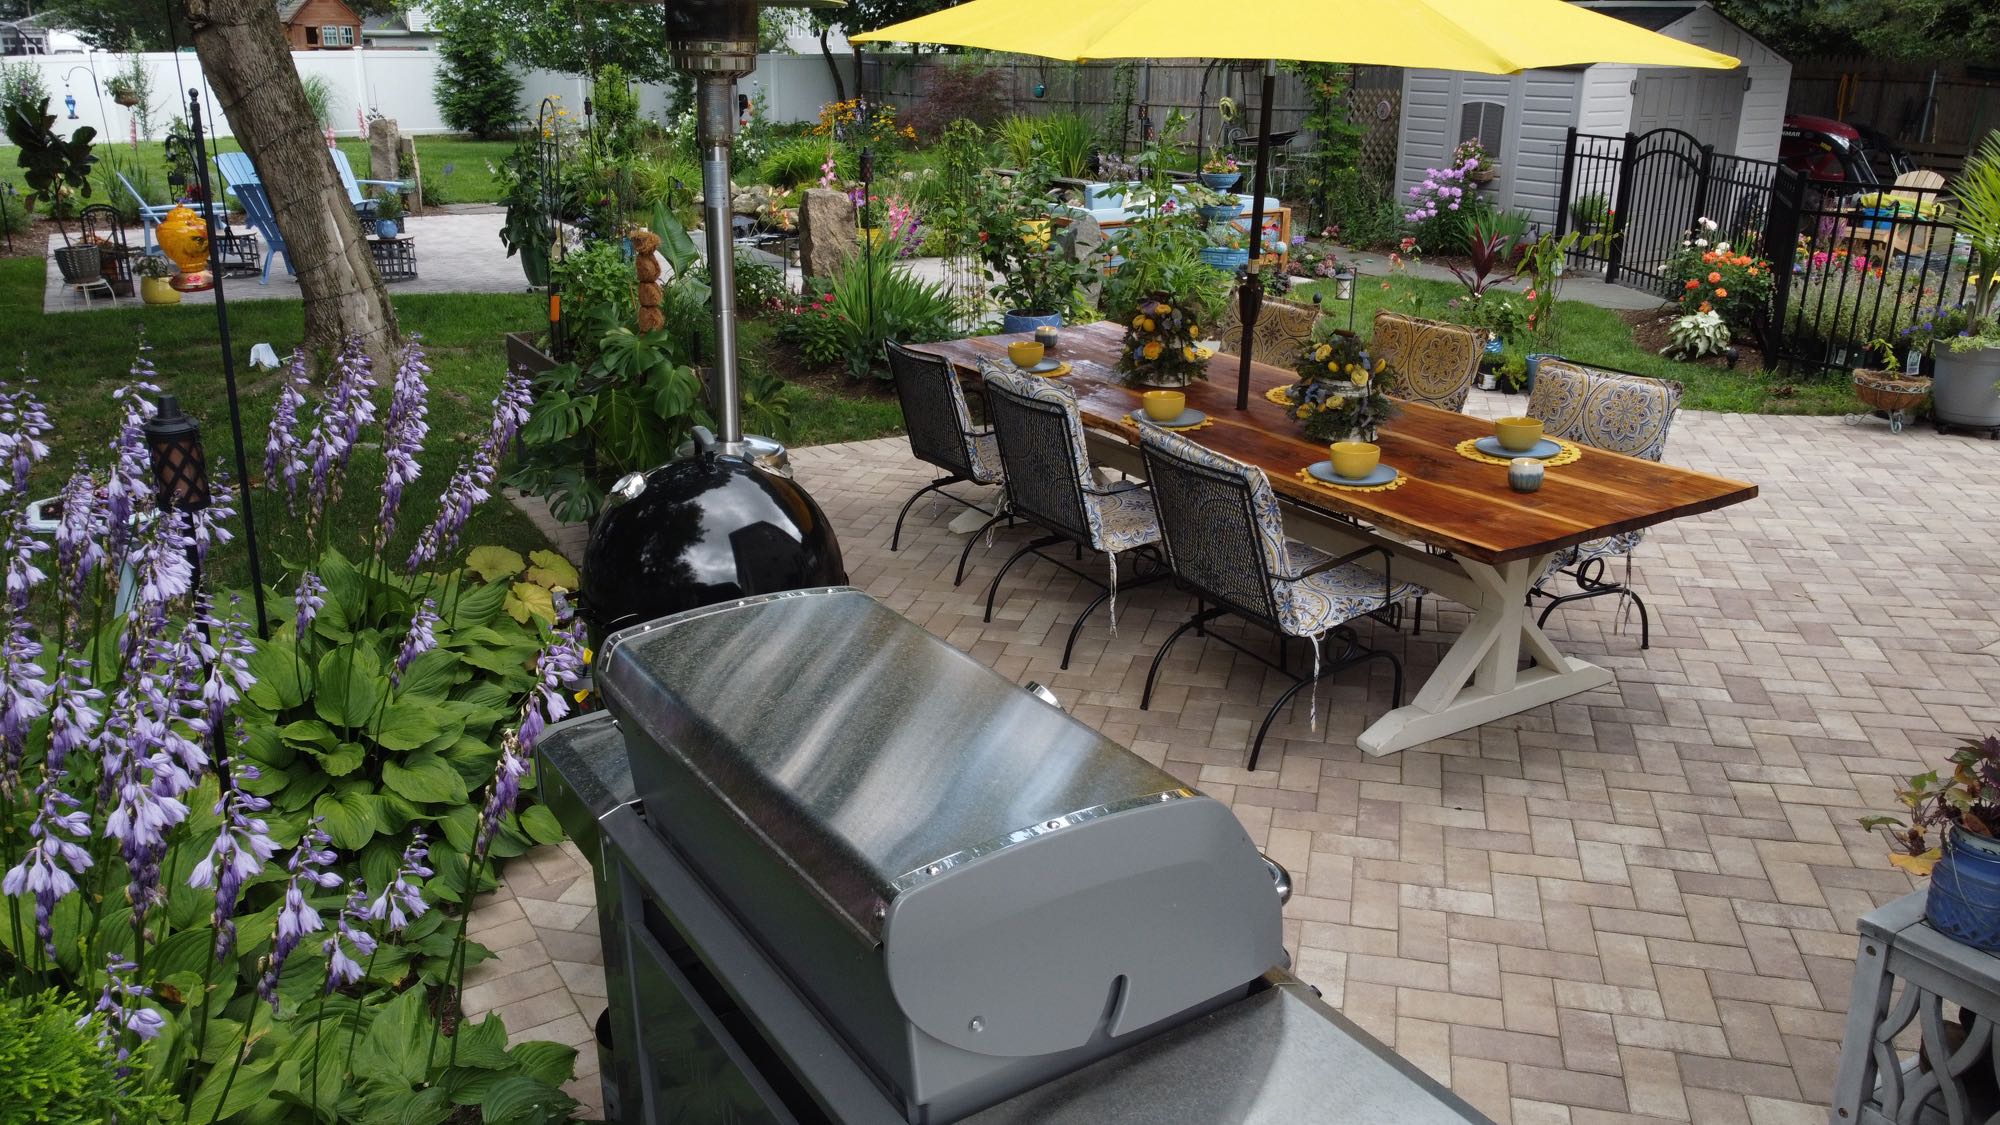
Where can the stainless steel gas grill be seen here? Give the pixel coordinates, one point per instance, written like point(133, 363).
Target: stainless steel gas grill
point(848, 873)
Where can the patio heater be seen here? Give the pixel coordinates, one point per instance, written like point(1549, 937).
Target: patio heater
point(724, 519)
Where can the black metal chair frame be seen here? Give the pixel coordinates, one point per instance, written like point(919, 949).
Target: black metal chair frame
point(1265, 616)
point(998, 403)
point(1591, 583)
point(925, 444)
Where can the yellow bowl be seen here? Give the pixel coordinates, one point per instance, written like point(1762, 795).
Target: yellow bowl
point(1165, 406)
point(1024, 353)
point(1518, 435)
point(1354, 459)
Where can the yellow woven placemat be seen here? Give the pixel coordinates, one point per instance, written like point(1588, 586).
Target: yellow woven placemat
point(1282, 396)
point(1570, 452)
point(1056, 373)
point(1310, 479)
point(1201, 425)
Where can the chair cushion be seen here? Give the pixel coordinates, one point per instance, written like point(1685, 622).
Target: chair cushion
point(1627, 414)
point(1437, 361)
point(984, 452)
point(1123, 519)
point(1311, 605)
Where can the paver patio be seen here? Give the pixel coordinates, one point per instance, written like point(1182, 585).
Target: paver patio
point(1634, 905)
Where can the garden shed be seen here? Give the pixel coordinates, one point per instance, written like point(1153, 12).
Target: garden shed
point(1523, 119)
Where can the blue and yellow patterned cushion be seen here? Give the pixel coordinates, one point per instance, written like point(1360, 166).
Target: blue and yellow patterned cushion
point(1122, 519)
point(1437, 361)
point(983, 450)
point(1629, 414)
point(1118, 521)
point(1263, 502)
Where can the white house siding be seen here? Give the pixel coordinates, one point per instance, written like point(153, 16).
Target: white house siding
point(1604, 99)
point(1540, 106)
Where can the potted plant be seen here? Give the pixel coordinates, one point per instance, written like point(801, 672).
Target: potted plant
point(1228, 248)
point(122, 90)
point(1220, 172)
point(1018, 240)
point(1963, 807)
point(155, 273)
point(1343, 390)
point(1162, 346)
point(1483, 169)
point(53, 168)
point(1968, 366)
point(388, 215)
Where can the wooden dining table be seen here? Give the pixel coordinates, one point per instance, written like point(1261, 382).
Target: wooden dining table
point(1454, 526)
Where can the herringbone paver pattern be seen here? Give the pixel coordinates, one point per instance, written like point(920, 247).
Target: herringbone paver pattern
point(1637, 904)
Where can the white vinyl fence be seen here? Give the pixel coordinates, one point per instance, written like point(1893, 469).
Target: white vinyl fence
point(396, 83)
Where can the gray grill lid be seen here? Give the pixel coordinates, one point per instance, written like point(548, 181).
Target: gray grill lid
point(821, 719)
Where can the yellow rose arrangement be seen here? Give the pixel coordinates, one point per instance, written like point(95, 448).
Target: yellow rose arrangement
point(1343, 390)
point(1161, 345)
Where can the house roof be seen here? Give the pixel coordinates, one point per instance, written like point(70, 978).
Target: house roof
point(1652, 17)
point(288, 10)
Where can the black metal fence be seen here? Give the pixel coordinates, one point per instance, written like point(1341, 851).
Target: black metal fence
point(1850, 267)
point(1647, 191)
point(1856, 268)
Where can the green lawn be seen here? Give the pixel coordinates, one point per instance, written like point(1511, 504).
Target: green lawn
point(456, 169)
point(1588, 334)
point(78, 358)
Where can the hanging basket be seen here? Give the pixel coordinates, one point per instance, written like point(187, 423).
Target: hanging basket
point(1882, 390)
point(126, 98)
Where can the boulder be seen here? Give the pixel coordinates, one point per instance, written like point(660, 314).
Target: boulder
point(827, 239)
point(753, 200)
point(384, 151)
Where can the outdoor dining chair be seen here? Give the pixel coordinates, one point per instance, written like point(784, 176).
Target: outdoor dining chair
point(150, 214)
point(1438, 361)
point(940, 429)
point(1050, 484)
point(1283, 328)
point(1225, 539)
point(1612, 410)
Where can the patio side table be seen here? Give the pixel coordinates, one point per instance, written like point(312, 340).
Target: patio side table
point(1954, 1080)
point(395, 258)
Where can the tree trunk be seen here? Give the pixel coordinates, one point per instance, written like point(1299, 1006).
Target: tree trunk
point(832, 66)
point(249, 65)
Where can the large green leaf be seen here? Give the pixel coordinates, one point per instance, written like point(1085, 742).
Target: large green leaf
point(349, 817)
point(430, 676)
point(346, 609)
point(409, 723)
point(541, 825)
point(552, 1063)
point(525, 1101)
point(309, 734)
point(424, 777)
point(252, 1084)
point(525, 600)
point(342, 759)
point(494, 563)
point(482, 1044)
point(474, 604)
point(551, 570)
point(283, 681)
point(186, 951)
point(351, 686)
point(394, 1047)
point(426, 1107)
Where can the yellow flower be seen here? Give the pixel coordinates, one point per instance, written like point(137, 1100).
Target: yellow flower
point(1320, 353)
point(1189, 353)
point(1148, 324)
point(1333, 367)
point(1194, 331)
point(1139, 322)
point(1152, 349)
point(1305, 409)
point(1360, 377)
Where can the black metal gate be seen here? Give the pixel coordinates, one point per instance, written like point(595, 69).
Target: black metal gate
point(1647, 191)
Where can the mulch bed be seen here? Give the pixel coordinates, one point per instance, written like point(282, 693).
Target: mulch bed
point(1649, 331)
point(33, 242)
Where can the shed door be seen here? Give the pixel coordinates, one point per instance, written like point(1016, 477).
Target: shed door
point(1704, 103)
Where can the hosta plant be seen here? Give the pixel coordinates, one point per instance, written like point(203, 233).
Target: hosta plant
point(1697, 335)
point(175, 781)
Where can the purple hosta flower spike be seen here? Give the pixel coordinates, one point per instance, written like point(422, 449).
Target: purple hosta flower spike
point(162, 575)
point(242, 847)
point(510, 412)
point(310, 600)
point(404, 433)
point(297, 917)
point(421, 639)
point(558, 669)
point(336, 424)
point(341, 967)
point(120, 1004)
point(207, 527)
point(24, 421)
point(129, 490)
point(24, 693)
point(79, 542)
point(53, 860)
point(506, 790)
point(283, 461)
point(467, 490)
point(404, 899)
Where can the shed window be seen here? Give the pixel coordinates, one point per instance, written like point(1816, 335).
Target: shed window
point(1483, 122)
point(336, 36)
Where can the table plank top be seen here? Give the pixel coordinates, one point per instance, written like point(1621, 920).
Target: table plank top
point(1447, 500)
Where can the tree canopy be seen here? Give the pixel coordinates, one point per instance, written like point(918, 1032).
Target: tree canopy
point(1944, 30)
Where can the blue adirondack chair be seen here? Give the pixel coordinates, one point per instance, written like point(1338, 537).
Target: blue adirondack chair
point(237, 169)
point(257, 207)
point(150, 214)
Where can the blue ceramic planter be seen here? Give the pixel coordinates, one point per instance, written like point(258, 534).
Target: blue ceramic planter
point(1220, 181)
point(1534, 360)
point(1220, 214)
point(1223, 258)
point(1028, 322)
point(1964, 899)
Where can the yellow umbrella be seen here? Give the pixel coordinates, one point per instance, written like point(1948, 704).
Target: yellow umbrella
point(1488, 36)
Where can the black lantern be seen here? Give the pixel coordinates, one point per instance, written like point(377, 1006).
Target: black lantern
point(180, 466)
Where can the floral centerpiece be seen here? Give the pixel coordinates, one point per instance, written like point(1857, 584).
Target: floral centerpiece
point(1160, 348)
point(1343, 391)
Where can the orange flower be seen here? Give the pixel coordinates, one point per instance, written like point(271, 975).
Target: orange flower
point(1693, 284)
point(1708, 257)
point(1714, 277)
point(1753, 271)
point(1720, 293)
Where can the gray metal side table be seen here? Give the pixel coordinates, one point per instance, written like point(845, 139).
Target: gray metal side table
point(1955, 1081)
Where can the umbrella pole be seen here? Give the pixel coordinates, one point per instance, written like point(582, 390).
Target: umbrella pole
point(1253, 287)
